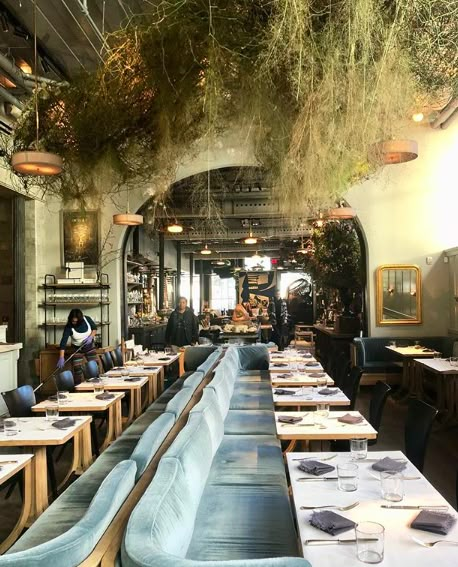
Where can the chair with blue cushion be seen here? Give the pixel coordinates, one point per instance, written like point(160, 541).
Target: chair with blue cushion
point(91, 369)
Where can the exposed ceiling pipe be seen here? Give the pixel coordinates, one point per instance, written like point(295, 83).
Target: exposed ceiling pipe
point(6, 95)
point(14, 72)
point(445, 117)
point(30, 80)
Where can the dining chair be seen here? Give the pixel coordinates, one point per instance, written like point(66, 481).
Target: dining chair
point(116, 355)
point(107, 361)
point(380, 393)
point(19, 403)
point(65, 381)
point(418, 425)
point(340, 369)
point(350, 385)
point(91, 369)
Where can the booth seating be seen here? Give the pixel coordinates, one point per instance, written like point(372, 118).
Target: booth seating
point(73, 515)
point(219, 497)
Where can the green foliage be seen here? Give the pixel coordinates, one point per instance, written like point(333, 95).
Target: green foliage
point(310, 82)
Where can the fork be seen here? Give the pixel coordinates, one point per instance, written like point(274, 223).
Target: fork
point(319, 458)
point(341, 508)
point(433, 543)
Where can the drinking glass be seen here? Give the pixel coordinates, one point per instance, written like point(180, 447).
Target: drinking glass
point(98, 387)
point(454, 361)
point(322, 381)
point(392, 486)
point(417, 343)
point(168, 350)
point(347, 474)
point(358, 449)
point(324, 408)
point(437, 354)
point(320, 416)
point(63, 397)
point(392, 344)
point(124, 372)
point(52, 411)
point(11, 427)
point(370, 542)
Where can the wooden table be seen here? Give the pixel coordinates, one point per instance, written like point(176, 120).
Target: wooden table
point(88, 403)
point(120, 384)
point(9, 466)
point(296, 379)
point(292, 367)
point(310, 398)
point(36, 433)
point(155, 375)
point(286, 357)
point(154, 359)
point(400, 549)
point(408, 354)
point(447, 385)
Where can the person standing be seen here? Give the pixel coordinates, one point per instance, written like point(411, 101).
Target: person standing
point(81, 330)
point(183, 326)
point(279, 307)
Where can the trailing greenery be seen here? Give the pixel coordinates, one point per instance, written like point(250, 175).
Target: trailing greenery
point(313, 83)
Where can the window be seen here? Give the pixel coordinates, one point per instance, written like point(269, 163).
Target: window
point(223, 293)
point(287, 278)
point(185, 290)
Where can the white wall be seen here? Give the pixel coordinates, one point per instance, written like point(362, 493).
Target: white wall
point(408, 212)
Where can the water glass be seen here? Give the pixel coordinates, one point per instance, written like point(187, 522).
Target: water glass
point(437, 354)
point(52, 411)
point(347, 474)
point(63, 397)
point(392, 486)
point(98, 387)
point(320, 416)
point(125, 372)
point(370, 542)
point(11, 427)
point(358, 449)
point(454, 361)
point(168, 350)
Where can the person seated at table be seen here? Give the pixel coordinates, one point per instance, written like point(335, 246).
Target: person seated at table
point(182, 327)
point(81, 329)
point(240, 315)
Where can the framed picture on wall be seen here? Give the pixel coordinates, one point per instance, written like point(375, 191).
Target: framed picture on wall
point(80, 237)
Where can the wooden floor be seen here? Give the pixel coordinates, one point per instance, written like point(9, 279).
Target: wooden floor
point(440, 469)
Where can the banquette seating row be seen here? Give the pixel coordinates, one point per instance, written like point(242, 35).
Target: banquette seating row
point(86, 520)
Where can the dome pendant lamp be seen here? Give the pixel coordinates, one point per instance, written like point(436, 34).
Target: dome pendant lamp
point(36, 162)
point(396, 151)
point(127, 218)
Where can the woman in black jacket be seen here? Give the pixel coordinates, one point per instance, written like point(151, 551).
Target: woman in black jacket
point(183, 326)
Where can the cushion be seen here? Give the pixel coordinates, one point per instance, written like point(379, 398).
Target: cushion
point(250, 422)
point(150, 442)
point(195, 356)
point(208, 407)
point(179, 401)
point(206, 366)
point(193, 381)
point(388, 367)
point(252, 395)
point(223, 387)
point(253, 357)
point(253, 376)
point(73, 546)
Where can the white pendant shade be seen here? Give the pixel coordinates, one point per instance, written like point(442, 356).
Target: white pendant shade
point(341, 213)
point(205, 251)
point(175, 228)
point(127, 219)
point(397, 151)
point(36, 163)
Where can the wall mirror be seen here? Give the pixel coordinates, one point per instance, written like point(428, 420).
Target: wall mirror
point(398, 295)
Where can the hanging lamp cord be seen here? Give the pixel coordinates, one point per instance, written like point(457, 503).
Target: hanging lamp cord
point(35, 49)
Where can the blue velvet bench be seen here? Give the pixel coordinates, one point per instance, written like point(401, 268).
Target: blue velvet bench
point(378, 363)
point(219, 498)
point(140, 443)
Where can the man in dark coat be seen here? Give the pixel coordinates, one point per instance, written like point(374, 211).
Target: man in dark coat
point(183, 326)
point(279, 310)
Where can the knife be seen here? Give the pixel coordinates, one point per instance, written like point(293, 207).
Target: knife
point(413, 507)
point(303, 478)
point(335, 541)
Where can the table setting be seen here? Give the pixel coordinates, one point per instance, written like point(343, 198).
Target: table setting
point(309, 396)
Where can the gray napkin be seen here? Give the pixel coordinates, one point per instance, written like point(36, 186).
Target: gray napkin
point(164, 358)
point(347, 418)
point(306, 355)
point(282, 392)
point(317, 374)
point(279, 364)
point(132, 379)
point(388, 464)
point(328, 391)
point(105, 396)
point(316, 468)
point(330, 522)
point(312, 363)
point(289, 419)
point(64, 423)
point(435, 522)
point(285, 375)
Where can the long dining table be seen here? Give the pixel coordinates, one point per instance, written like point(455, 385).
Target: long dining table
point(400, 549)
point(308, 397)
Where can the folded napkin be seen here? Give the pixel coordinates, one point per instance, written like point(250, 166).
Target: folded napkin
point(105, 396)
point(282, 392)
point(328, 391)
point(64, 423)
point(133, 379)
point(306, 355)
point(312, 363)
point(315, 467)
point(317, 374)
point(347, 418)
point(280, 364)
point(289, 419)
point(330, 522)
point(164, 358)
point(388, 464)
point(285, 375)
point(435, 522)
point(428, 349)
point(52, 398)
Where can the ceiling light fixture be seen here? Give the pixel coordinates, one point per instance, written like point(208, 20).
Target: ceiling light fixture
point(396, 151)
point(175, 228)
point(250, 238)
point(35, 162)
point(341, 213)
point(205, 250)
point(127, 218)
point(418, 116)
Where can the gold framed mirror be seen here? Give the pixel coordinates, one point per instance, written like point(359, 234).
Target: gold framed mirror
point(398, 294)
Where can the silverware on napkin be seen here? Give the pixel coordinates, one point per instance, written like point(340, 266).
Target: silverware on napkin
point(335, 541)
point(304, 478)
point(413, 507)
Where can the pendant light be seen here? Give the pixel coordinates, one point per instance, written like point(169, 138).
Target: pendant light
point(127, 218)
point(205, 250)
point(396, 151)
point(175, 228)
point(36, 162)
point(341, 213)
point(250, 238)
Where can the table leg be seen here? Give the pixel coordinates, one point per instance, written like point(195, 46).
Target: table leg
point(137, 396)
point(404, 390)
point(131, 414)
point(39, 482)
point(161, 377)
point(181, 364)
point(117, 416)
point(25, 511)
point(109, 437)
